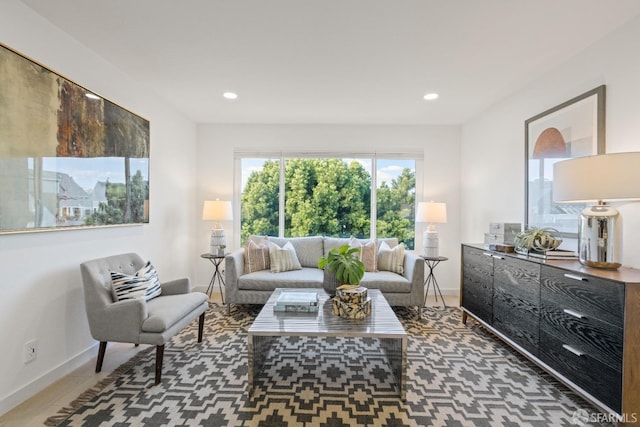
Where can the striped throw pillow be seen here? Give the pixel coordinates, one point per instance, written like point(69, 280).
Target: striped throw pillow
point(145, 284)
point(256, 255)
point(391, 259)
point(283, 258)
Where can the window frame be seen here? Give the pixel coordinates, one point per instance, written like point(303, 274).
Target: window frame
point(282, 156)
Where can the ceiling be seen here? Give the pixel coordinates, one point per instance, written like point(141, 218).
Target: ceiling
point(335, 61)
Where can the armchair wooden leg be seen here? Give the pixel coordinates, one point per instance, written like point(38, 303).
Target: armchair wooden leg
point(159, 357)
point(101, 351)
point(200, 327)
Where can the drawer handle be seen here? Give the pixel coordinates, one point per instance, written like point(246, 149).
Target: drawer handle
point(573, 313)
point(487, 254)
point(497, 256)
point(574, 277)
point(573, 350)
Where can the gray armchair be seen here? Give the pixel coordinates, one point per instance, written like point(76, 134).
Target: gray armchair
point(135, 320)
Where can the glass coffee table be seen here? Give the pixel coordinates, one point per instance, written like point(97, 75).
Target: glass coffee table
point(381, 324)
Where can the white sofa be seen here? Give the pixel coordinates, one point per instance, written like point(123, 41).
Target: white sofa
point(405, 289)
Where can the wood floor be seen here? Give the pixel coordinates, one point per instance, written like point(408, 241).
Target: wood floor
point(36, 410)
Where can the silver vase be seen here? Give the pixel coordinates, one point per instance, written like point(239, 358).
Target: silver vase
point(329, 282)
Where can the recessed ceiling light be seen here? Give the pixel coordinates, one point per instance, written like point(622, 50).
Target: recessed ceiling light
point(431, 96)
point(91, 96)
point(230, 95)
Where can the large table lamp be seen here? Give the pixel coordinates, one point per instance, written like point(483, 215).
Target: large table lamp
point(217, 210)
point(601, 178)
point(431, 213)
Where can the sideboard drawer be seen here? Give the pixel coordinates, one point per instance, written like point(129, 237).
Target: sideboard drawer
point(602, 340)
point(516, 300)
point(578, 366)
point(594, 297)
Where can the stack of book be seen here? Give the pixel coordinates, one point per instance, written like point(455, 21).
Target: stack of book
point(297, 302)
point(552, 254)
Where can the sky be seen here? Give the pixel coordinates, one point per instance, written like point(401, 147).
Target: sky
point(86, 171)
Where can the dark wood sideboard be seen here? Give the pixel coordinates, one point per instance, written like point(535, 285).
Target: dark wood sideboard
point(580, 324)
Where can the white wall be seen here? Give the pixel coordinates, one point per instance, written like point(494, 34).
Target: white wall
point(440, 144)
point(40, 291)
point(492, 161)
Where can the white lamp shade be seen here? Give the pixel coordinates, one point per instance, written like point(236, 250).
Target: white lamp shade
point(217, 210)
point(432, 212)
point(610, 177)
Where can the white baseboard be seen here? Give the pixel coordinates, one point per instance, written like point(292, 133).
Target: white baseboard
point(29, 390)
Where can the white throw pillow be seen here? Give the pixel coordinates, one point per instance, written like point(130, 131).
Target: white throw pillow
point(391, 259)
point(283, 258)
point(145, 284)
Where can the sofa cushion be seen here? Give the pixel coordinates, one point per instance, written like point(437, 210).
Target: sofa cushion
point(267, 281)
point(256, 255)
point(308, 249)
point(336, 242)
point(391, 241)
point(164, 312)
point(333, 243)
point(391, 259)
point(386, 281)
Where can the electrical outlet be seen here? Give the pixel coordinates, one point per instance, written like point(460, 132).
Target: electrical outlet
point(30, 351)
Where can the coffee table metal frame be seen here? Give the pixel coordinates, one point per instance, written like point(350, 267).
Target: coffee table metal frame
point(381, 324)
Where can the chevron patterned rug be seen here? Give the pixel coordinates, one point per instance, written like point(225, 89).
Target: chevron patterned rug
point(457, 376)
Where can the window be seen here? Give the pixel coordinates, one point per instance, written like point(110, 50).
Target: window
point(304, 195)
point(259, 200)
point(396, 199)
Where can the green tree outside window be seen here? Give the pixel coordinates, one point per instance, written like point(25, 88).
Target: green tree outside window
point(330, 197)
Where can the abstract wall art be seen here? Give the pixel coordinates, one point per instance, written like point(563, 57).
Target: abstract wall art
point(68, 157)
point(575, 128)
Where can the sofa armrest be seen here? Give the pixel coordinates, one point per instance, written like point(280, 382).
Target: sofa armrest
point(414, 270)
point(176, 287)
point(233, 269)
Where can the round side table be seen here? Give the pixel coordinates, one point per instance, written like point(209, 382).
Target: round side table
point(216, 260)
point(432, 262)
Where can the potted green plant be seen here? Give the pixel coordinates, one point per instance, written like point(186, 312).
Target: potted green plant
point(343, 264)
point(537, 240)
